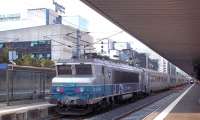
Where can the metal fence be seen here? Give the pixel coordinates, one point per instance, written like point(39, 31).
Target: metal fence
point(25, 83)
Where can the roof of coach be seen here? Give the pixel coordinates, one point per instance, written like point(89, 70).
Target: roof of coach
point(109, 63)
point(154, 72)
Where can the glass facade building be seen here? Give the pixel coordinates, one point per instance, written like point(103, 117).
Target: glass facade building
point(29, 18)
point(47, 41)
point(37, 49)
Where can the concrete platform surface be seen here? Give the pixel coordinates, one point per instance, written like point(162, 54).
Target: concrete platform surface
point(188, 108)
point(22, 108)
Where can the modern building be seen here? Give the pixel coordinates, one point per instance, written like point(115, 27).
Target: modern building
point(104, 47)
point(112, 49)
point(171, 69)
point(167, 67)
point(44, 33)
point(121, 45)
point(163, 65)
point(28, 18)
point(53, 42)
point(138, 59)
point(127, 55)
point(77, 22)
point(153, 64)
point(114, 54)
point(123, 51)
point(141, 60)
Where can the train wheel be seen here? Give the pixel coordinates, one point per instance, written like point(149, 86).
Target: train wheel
point(118, 99)
point(111, 101)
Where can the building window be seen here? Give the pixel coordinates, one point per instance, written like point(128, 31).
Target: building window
point(34, 43)
point(32, 55)
point(1, 45)
point(47, 42)
point(40, 56)
point(40, 43)
point(48, 55)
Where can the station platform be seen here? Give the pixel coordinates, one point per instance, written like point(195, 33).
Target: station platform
point(185, 107)
point(32, 111)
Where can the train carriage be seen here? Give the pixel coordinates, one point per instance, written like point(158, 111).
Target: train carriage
point(158, 81)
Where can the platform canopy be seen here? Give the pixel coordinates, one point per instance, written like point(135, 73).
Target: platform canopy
point(170, 27)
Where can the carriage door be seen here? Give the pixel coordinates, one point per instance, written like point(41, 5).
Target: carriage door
point(142, 83)
point(146, 84)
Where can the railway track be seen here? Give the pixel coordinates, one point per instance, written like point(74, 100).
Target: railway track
point(54, 117)
point(117, 112)
point(156, 107)
point(62, 117)
point(124, 111)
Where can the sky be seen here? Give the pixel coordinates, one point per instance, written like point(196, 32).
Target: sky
point(99, 27)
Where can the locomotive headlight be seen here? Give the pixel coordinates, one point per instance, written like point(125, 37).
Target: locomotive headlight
point(81, 89)
point(60, 89)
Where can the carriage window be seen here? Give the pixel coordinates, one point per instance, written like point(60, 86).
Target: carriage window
point(64, 69)
point(83, 69)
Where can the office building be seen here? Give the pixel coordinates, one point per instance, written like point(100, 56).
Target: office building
point(53, 42)
point(29, 18)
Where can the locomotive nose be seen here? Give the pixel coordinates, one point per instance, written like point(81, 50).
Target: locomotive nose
point(68, 100)
point(60, 90)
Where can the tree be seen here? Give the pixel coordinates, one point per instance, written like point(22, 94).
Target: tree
point(36, 62)
point(27, 60)
point(46, 63)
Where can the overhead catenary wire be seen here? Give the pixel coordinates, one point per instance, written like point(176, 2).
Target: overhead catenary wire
point(79, 27)
point(99, 40)
point(58, 41)
point(88, 45)
point(66, 45)
point(62, 42)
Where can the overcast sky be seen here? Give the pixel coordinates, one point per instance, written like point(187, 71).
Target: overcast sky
point(98, 25)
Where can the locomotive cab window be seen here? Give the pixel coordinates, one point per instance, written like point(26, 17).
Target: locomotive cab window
point(83, 69)
point(64, 70)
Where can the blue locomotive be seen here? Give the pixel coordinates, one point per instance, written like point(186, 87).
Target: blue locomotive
point(88, 84)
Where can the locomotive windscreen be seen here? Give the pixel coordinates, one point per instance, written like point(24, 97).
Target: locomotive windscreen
point(125, 77)
point(64, 69)
point(83, 69)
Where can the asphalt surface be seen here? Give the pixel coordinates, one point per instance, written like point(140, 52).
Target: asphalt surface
point(123, 111)
point(151, 111)
point(143, 113)
point(188, 108)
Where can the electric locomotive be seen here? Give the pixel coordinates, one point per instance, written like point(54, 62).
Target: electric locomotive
point(87, 84)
